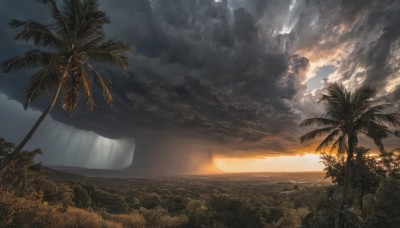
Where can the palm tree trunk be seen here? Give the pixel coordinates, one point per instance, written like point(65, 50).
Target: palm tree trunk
point(347, 175)
point(5, 161)
point(352, 141)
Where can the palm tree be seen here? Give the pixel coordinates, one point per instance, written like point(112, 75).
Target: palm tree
point(75, 40)
point(349, 114)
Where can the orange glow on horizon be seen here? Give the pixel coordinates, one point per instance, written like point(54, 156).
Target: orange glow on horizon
point(296, 163)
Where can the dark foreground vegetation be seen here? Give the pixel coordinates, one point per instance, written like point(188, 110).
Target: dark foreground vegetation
point(35, 196)
point(369, 182)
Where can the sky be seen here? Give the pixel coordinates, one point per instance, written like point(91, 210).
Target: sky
point(210, 83)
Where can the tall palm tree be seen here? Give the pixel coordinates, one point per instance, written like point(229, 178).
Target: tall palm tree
point(74, 42)
point(349, 114)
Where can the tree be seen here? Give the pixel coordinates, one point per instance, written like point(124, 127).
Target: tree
point(232, 212)
point(22, 172)
point(349, 114)
point(329, 212)
point(75, 40)
point(367, 172)
point(382, 208)
point(390, 161)
point(81, 197)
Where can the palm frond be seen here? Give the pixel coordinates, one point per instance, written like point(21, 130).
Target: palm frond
point(372, 110)
point(316, 133)
point(43, 81)
point(362, 100)
point(362, 95)
point(328, 139)
point(376, 132)
point(319, 121)
point(59, 21)
point(390, 119)
point(102, 83)
point(40, 34)
point(337, 100)
point(70, 97)
point(88, 91)
point(84, 18)
point(372, 128)
point(115, 45)
point(92, 26)
point(31, 59)
point(340, 144)
point(110, 52)
point(14, 23)
point(336, 93)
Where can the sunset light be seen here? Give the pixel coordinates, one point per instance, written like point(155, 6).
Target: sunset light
point(297, 163)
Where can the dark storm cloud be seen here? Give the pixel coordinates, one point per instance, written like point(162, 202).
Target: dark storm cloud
point(219, 72)
point(366, 31)
point(203, 71)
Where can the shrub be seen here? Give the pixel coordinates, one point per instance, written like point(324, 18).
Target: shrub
point(197, 213)
point(133, 220)
point(111, 202)
point(232, 212)
point(150, 201)
point(159, 217)
point(21, 213)
point(382, 209)
point(81, 197)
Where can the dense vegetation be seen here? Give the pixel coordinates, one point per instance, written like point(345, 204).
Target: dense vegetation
point(35, 196)
point(374, 192)
point(32, 196)
point(348, 115)
point(368, 181)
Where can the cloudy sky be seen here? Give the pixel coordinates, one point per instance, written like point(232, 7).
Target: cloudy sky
point(230, 78)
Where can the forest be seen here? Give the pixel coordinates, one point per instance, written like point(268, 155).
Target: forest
point(36, 196)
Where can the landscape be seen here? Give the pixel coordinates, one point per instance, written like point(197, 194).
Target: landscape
point(200, 113)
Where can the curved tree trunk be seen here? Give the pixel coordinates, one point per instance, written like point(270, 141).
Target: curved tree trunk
point(5, 161)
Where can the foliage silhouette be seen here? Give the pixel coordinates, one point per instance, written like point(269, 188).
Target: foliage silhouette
point(348, 114)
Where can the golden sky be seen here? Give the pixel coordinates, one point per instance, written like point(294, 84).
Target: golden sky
point(297, 163)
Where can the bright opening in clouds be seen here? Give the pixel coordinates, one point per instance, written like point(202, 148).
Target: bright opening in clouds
point(297, 163)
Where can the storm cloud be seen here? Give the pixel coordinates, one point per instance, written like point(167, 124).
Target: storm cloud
point(229, 77)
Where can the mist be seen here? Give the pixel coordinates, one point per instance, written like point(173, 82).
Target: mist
point(165, 154)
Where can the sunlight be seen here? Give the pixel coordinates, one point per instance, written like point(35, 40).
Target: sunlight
point(297, 163)
point(288, 25)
